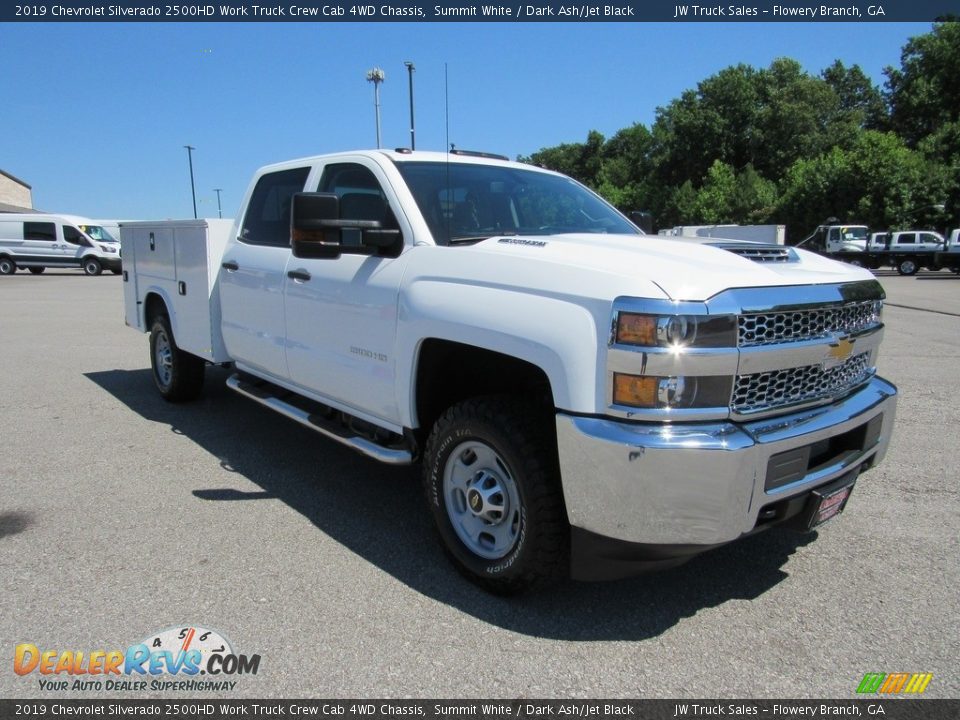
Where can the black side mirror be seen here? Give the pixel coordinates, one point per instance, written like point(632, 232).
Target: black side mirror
point(318, 232)
point(643, 220)
point(315, 226)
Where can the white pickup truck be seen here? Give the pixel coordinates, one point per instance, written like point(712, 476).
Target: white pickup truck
point(584, 399)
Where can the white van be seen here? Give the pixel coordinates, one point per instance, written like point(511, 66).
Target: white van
point(35, 241)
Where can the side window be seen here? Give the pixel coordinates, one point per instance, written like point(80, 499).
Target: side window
point(834, 235)
point(40, 231)
point(908, 239)
point(928, 238)
point(74, 236)
point(361, 198)
point(267, 221)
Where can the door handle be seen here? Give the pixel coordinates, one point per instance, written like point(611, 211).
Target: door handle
point(298, 275)
point(230, 266)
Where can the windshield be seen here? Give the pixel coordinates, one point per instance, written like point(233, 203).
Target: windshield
point(465, 202)
point(99, 233)
point(854, 233)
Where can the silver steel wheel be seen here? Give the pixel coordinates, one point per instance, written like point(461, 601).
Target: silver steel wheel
point(908, 267)
point(482, 500)
point(163, 358)
point(7, 266)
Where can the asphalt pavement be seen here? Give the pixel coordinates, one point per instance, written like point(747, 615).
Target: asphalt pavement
point(122, 515)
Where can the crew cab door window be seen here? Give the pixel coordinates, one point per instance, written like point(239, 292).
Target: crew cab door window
point(907, 239)
point(267, 221)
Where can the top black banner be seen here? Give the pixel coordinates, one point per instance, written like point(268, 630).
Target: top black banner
point(467, 11)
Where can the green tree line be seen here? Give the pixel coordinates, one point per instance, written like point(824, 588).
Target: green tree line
point(779, 145)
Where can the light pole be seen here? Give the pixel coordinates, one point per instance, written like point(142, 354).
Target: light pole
point(413, 137)
point(376, 76)
point(193, 190)
point(219, 210)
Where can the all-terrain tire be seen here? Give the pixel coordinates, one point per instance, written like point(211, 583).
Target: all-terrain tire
point(492, 483)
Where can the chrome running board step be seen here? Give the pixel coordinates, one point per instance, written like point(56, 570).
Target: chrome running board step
point(275, 398)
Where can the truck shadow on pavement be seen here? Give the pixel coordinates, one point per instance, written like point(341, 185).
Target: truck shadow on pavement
point(379, 513)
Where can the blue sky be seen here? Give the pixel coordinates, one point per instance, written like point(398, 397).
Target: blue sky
point(95, 115)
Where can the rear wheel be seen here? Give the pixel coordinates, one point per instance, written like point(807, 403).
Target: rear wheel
point(492, 482)
point(177, 374)
point(36, 270)
point(91, 266)
point(7, 266)
point(907, 267)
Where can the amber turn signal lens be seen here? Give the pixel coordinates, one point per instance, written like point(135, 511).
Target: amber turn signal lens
point(633, 329)
point(635, 390)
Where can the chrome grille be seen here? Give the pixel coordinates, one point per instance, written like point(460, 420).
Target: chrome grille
point(777, 388)
point(769, 328)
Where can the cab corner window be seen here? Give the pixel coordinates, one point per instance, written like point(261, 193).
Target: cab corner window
point(267, 221)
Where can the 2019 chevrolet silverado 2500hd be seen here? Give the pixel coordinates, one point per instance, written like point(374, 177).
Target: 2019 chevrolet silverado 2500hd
point(584, 399)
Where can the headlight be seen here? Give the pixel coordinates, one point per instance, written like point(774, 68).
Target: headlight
point(108, 249)
point(670, 356)
point(675, 392)
point(676, 331)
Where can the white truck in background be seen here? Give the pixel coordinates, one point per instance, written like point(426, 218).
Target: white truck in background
point(584, 400)
point(905, 250)
point(949, 257)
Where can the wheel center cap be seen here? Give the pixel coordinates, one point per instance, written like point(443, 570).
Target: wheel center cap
point(475, 501)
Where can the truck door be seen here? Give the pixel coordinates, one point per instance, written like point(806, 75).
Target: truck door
point(905, 242)
point(341, 314)
point(930, 242)
point(74, 247)
point(252, 275)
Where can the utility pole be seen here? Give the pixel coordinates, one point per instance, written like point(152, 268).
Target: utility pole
point(219, 211)
point(193, 190)
point(413, 137)
point(376, 76)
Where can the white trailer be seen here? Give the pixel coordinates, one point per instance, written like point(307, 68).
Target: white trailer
point(775, 234)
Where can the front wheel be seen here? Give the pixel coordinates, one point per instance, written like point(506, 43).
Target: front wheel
point(492, 482)
point(907, 267)
point(177, 374)
point(91, 266)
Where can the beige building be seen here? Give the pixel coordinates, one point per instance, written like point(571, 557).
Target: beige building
point(15, 194)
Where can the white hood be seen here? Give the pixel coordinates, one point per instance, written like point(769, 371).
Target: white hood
point(684, 268)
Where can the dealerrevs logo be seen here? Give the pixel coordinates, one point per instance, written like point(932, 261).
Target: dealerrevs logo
point(186, 651)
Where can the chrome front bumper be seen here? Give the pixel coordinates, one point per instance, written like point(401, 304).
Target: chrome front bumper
point(703, 484)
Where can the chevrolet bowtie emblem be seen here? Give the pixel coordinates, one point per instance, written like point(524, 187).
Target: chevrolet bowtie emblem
point(838, 353)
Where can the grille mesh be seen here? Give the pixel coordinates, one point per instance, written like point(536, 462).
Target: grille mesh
point(780, 327)
point(762, 254)
point(769, 390)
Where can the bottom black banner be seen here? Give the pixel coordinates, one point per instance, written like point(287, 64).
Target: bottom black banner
point(883, 708)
